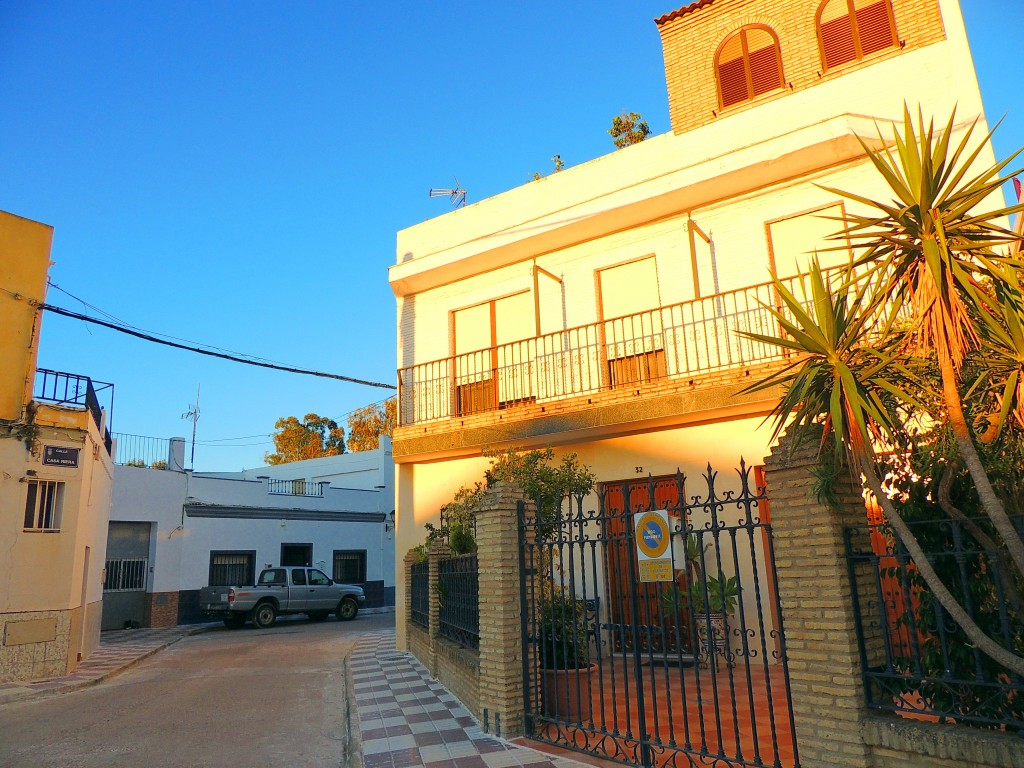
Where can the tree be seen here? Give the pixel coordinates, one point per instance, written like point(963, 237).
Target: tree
point(628, 128)
point(366, 425)
point(882, 357)
point(313, 437)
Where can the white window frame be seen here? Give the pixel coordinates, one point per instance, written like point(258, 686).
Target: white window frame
point(44, 505)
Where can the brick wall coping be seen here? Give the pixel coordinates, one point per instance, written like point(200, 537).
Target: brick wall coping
point(947, 742)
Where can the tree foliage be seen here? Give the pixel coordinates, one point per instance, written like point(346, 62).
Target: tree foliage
point(367, 424)
point(313, 437)
point(533, 473)
point(628, 128)
point(921, 333)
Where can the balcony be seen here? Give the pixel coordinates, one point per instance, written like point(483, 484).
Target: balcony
point(658, 351)
point(296, 488)
point(73, 391)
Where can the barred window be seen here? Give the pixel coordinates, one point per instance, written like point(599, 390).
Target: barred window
point(125, 574)
point(232, 569)
point(748, 64)
point(849, 30)
point(44, 505)
point(350, 566)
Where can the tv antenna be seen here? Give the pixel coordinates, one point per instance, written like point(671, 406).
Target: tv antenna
point(192, 414)
point(456, 195)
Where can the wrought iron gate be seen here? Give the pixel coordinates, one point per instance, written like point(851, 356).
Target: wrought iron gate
point(685, 672)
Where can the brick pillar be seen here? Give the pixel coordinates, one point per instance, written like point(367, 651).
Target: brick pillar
point(501, 641)
point(438, 551)
point(815, 593)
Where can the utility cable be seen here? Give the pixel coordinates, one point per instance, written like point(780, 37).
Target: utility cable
point(222, 355)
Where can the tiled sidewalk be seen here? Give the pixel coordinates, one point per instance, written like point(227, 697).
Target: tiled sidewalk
point(118, 650)
point(406, 719)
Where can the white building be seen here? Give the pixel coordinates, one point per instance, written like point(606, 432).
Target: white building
point(174, 531)
point(597, 310)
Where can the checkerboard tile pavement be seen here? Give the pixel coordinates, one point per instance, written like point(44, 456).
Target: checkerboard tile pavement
point(407, 719)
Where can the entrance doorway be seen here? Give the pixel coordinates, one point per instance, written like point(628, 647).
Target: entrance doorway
point(659, 674)
point(126, 575)
point(297, 554)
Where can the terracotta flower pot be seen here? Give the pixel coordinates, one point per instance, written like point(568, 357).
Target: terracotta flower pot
point(566, 694)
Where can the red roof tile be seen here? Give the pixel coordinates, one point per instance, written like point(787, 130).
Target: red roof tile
point(682, 11)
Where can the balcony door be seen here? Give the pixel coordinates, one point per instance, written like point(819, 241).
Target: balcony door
point(494, 353)
point(633, 341)
point(793, 240)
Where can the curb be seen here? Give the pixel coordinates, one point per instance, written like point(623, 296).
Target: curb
point(352, 746)
point(27, 692)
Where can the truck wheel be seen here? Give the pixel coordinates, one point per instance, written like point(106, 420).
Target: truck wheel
point(346, 610)
point(235, 622)
point(264, 615)
point(318, 615)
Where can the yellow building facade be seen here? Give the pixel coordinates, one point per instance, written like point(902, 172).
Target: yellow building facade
point(55, 479)
point(598, 310)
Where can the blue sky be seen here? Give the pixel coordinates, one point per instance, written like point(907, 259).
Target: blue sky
point(236, 175)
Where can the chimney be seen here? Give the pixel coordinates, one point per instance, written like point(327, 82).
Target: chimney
point(176, 455)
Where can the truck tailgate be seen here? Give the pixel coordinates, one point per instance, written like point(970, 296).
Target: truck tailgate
point(213, 597)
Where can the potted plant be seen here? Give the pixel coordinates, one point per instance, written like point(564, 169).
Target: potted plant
point(709, 614)
point(708, 599)
point(564, 640)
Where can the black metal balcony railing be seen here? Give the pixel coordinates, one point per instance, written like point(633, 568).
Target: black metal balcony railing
point(69, 389)
point(141, 451)
point(678, 341)
point(295, 488)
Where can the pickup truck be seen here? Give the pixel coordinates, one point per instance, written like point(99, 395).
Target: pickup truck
point(280, 591)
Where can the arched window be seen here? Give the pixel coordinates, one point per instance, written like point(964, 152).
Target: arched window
point(849, 30)
point(748, 64)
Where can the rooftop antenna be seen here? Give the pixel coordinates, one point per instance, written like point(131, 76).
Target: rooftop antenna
point(456, 195)
point(192, 414)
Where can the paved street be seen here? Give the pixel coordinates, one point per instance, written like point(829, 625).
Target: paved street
point(273, 697)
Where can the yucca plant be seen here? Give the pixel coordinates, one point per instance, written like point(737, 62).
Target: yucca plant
point(929, 287)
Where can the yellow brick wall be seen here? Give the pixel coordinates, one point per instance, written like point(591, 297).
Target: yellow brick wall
point(691, 40)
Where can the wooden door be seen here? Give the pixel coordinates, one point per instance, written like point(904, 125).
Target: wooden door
point(650, 621)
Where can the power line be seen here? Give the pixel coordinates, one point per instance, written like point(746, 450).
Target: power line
point(228, 439)
point(222, 355)
point(238, 445)
point(122, 323)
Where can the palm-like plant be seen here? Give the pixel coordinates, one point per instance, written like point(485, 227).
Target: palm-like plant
point(854, 390)
point(932, 253)
point(928, 257)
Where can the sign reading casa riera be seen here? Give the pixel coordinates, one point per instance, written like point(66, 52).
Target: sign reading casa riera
point(60, 456)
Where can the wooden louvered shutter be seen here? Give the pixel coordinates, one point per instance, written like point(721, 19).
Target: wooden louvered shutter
point(765, 69)
point(874, 26)
point(836, 27)
point(732, 75)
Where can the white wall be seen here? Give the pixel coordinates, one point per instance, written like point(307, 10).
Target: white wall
point(181, 542)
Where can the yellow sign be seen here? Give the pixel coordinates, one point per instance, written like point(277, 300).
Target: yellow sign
point(653, 535)
point(655, 570)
